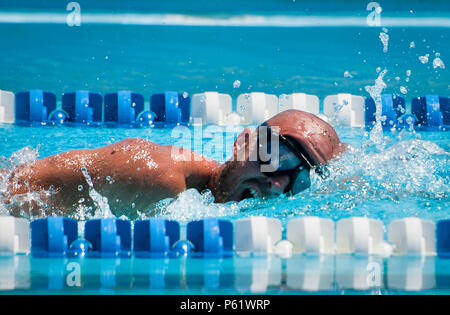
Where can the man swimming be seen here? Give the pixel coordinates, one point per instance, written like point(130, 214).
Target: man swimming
point(137, 174)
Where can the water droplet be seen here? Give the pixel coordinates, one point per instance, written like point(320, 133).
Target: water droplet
point(403, 90)
point(80, 188)
point(347, 75)
point(384, 37)
point(236, 84)
point(409, 120)
point(424, 59)
point(412, 45)
point(438, 63)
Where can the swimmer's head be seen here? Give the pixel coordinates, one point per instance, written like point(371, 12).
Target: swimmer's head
point(303, 142)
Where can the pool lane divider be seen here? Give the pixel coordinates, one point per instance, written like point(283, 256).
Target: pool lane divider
point(211, 237)
point(443, 238)
point(81, 107)
point(126, 109)
point(14, 236)
point(123, 108)
point(155, 237)
point(7, 107)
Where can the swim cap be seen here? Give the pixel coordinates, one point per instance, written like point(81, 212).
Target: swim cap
point(316, 137)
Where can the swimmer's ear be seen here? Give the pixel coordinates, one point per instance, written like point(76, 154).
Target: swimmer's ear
point(242, 142)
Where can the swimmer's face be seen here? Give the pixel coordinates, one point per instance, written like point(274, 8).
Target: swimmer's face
point(244, 180)
point(242, 177)
point(239, 180)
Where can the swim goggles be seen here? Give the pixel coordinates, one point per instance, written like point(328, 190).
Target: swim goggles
point(292, 161)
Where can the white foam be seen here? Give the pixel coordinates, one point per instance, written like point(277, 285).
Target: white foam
point(233, 20)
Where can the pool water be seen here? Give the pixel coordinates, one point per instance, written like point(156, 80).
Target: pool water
point(410, 177)
point(407, 177)
point(402, 174)
point(261, 275)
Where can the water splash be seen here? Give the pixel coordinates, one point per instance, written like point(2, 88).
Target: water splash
point(437, 62)
point(192, 205)
point(384, 37)
point(347, 74)
point(424, 59)
point(27, 155)
point(376, 135)
point(102, 209)
point(407, 178)
point(408, 75)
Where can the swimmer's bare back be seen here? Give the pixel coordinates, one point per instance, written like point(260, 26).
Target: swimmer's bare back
point(133, 174)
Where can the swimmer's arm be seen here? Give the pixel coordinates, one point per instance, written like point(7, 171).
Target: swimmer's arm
point(56, 171)
point(51, 183)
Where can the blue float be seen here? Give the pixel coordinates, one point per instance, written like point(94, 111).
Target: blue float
point(83, 107)
point(58, 117)
point(109, 237)
point(80, 248)
point(171, 107)
point(211, 236)
point(146, 118)
point(155, 237)
point(443, 238)
point(34, 106)
point(432, 112)
point(123, 108)
point(394, 110)
point(52, 236)
point(182, 248)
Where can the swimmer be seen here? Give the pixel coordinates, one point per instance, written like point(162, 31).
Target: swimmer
point(136, 174)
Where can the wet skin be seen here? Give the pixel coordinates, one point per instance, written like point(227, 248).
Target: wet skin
point(135, 174)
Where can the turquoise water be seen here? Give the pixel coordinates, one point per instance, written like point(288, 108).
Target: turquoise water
point(410, 177)
point(407, 175)
point(151, 59)
point(297, 275)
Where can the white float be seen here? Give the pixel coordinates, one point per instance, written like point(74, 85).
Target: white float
point(413, 236)
point(345, 110)
point(359, 272)
point(411, 273)
point(310, 273)
point(257, 274)
point(300, 101)
point(14, 236)
point(360, 235)
point(284, 249)
point(311, 235)
point(256, 235)
point(257, 107)
point(7, 107)
point(14, 273)
point(211, 107)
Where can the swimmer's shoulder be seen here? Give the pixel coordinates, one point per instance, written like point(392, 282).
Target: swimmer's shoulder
point(131, 144)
